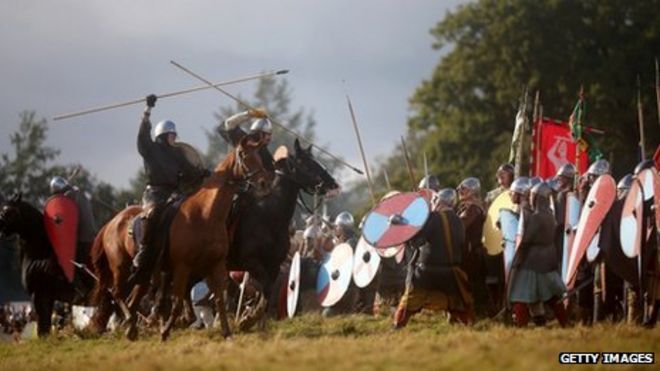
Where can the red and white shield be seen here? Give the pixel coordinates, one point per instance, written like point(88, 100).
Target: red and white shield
point(365, 263)
point(61, 222)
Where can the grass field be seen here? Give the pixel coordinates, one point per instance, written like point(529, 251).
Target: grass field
point(352, 342)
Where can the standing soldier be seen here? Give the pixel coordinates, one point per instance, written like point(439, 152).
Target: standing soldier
point(535, 277)
point(472, 214)
point(86, 230)
point(438, 281)
point(504, 177)
point(565, 179)
point(166, 168)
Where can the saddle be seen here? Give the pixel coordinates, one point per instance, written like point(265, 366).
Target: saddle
point(163, 223)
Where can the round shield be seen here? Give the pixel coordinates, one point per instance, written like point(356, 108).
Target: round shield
point(191, 154)
point(395, 220)
point(427, 193)
point(365, 263)
point(335, 275)
point(293, 287)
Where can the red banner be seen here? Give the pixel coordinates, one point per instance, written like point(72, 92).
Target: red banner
point(553, 147)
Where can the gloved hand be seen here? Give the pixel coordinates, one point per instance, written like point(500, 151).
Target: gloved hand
point(257, 113)
point(151, 100)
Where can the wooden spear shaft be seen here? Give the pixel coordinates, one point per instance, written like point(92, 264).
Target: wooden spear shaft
point(275, 122)
point(167, 95)
point(640, 119)
point(364, 157)
point(657, 88)
point(408, 164)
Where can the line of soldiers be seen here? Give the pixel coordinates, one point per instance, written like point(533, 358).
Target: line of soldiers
point(451, 271)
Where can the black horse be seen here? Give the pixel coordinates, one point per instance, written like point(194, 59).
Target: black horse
point(41, 275)
point(261, 240)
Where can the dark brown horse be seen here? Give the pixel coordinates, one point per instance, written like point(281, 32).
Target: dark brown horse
point(198, 241)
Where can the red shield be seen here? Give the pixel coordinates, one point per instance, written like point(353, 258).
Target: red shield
point(61, 222)
point(395, 220)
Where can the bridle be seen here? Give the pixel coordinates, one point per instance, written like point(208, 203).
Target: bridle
point(246, 173)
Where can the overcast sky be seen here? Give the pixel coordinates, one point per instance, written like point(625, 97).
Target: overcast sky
point(62, 56)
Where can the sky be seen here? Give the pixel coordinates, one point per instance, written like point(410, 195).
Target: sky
point(64, 56)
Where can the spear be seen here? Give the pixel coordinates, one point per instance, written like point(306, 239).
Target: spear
point(426, 167)
point(364, 157)
point(281, 126)
point(640, 119)
point(166, 95)
point(408, 164)
point(387, 179)
point(657, 88)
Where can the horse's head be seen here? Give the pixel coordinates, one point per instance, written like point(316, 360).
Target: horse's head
point(11, 217)
point(249, 168)
point(307, 172)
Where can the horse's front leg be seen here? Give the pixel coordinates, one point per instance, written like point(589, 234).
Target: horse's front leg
point(217, 282)
point(179, 288)
point(43, 304)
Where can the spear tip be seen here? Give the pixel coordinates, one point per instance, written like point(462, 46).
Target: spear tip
point(282, 72)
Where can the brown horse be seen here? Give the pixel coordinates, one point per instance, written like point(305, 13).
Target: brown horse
point(198, 241)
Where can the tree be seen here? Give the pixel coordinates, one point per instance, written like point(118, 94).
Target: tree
point(463, 115)
point(27, 171)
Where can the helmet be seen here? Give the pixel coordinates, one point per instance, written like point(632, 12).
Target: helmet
point(566, 170)
point(472, 184)
point(164, 127)
point(540, 196)
point(599, 168)
point(553, 183)
point(446, 196)
point(430, 182)
point(646, 164)
point(625, 182)
point(345, 220)
point(263, 125)
point(311, 232)
point(58, 184)
point(520, 185)
point(505, 168)
point(534, 181)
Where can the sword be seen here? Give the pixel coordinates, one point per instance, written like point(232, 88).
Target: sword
point(122, 305)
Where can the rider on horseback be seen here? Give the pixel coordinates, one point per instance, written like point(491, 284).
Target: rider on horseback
point(166, 168)
point(231, 131)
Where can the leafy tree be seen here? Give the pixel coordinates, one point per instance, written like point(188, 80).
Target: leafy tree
point(463, 115)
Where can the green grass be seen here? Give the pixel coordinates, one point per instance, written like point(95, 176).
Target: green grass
point(352, 342)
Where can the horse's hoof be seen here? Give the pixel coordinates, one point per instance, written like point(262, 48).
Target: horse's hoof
point(132, 333)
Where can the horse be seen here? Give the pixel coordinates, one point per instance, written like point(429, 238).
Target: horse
point(42, 276)
point(261, 239)
point(198, 241)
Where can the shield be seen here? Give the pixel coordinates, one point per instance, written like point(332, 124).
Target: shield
point(293, 287)
point(395, 220)
point(365, 263)
point(598, 203)
point(81, 316)
point(427, 194)
point(389, 252)
point(191, 154)
point(593, 249)
point(335, 275)
point(509, 223)
point(647, 179)
point(61, 222)
point(570, 228)
point(492, 235)
point(630, 229)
